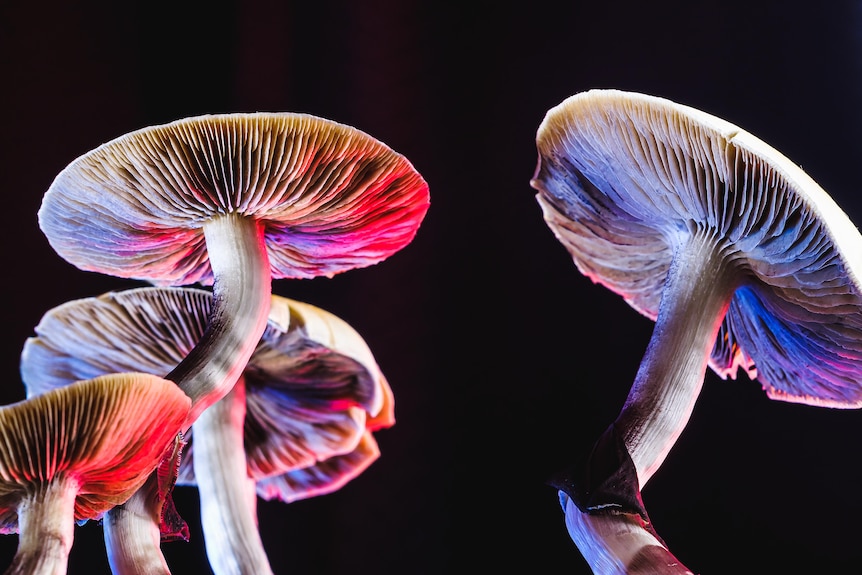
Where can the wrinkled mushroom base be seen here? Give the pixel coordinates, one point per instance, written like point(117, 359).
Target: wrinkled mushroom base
point(605, 479)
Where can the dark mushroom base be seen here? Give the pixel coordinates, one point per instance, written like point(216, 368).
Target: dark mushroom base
point(606, 481)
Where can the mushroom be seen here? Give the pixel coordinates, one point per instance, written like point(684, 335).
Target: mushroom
point(233, 201)
point(739, 257)
point(73, 453)
point(297, 423)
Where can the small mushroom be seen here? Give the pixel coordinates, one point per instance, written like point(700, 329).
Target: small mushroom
point(739, 257)
point(297, 423)
point(73, 453)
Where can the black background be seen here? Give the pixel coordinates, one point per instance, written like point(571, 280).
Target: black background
point(505, 361)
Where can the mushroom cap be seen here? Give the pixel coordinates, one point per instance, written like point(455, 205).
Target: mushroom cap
point(312, 385)
point(108, 433)
point(322, 477)
point(622, 177)
point(330, 197)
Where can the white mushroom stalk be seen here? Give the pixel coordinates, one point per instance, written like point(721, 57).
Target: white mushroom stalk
point(61, 467)
point(701, 280)
point(46, 529)
point(241, 300)
point(312, 388)
point(619, 543)
point(133, 536)
point(227, 493)
point(739, 257)
point(134, 531)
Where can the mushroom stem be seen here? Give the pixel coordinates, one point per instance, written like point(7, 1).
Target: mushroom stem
point(46, 523)
point(242, 290)
point(132, 534)
point(618, 543)
point(228, 495)
point(700, 283)
point(242, 293)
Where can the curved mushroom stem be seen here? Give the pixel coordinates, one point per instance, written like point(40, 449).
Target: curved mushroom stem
point(699, 286)
point(619, 543)
point(242, 291)
point(132, 534)
point(46, 529)
point(228, 496)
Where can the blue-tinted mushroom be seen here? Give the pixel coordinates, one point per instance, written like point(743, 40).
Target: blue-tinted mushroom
point(297, 424)
point(739, 257)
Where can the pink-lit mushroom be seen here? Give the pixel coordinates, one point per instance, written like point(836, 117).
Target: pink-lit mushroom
point(739, 257)
point(297, 423)
point(233, 201)
point(72, 453)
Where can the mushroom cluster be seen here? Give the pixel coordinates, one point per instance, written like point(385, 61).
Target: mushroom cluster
point(282, 398)
point(297, 423)
point(206, 378)
point(736, 254)
point(73, 453)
